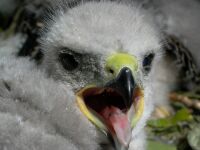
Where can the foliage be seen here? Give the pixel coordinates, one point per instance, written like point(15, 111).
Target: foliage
point(180, 131)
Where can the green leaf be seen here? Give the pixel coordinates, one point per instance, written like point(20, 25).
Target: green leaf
point(194, 137)
point(180, 116)
point(155, 145)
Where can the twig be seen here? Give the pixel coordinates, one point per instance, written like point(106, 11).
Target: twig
point(193, 103)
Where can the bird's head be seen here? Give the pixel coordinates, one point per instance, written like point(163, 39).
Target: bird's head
point(106, 51)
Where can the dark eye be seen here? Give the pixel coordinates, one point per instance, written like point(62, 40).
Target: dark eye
point(147, 61)
point(68, 61)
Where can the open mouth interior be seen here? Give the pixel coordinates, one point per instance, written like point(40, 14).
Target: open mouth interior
point(109, 110)
point(98, 99)
point(108, 105)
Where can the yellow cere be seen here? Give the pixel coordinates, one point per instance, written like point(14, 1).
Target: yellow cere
point(119, 60)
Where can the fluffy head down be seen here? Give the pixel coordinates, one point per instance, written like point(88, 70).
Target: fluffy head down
point(91, 31)
point(96, 30)
point(35, 111)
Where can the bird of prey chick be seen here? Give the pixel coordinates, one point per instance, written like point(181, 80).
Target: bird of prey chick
point(102, 73)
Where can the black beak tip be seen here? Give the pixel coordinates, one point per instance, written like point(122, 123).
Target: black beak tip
point(125, 84)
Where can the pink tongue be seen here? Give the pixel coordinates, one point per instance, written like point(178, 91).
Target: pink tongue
point(118, 121)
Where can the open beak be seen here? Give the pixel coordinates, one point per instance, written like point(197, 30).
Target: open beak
point(114, 108)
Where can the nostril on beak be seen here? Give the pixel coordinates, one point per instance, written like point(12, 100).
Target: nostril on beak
point(110, 71)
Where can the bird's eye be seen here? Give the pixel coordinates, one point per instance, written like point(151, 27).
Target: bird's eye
point(147, 61)
point(68, 61)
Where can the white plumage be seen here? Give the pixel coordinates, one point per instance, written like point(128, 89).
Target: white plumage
point(37, 112)
point(37, 104)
